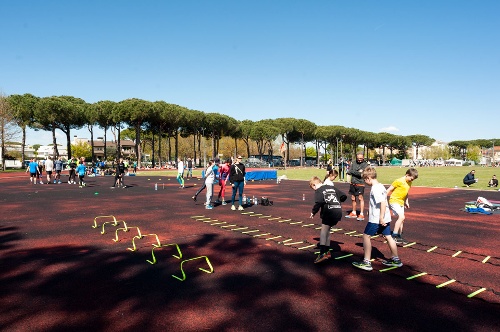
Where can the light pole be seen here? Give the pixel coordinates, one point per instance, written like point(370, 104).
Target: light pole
point(342, 175)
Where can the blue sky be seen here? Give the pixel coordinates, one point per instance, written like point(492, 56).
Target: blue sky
point(407, 67)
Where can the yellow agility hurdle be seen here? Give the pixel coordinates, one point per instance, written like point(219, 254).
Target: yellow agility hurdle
point(202, 269)
point(99, 217)
point(115, 223)
point(126, 229)
point(163, 246)
point(134, 248)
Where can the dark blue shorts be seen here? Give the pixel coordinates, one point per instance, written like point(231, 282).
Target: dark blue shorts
point(372, 229)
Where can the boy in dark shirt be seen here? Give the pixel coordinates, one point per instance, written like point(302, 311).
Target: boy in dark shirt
point(327, 199)
point(120, 172)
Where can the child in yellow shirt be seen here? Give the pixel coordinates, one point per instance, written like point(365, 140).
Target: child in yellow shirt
point(398, 192)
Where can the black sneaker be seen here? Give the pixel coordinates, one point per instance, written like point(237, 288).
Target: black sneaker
point(397, 238)
point(194, 198)
point(393, 262)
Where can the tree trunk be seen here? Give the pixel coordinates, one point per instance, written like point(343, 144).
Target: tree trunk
point(105, 152)
point(2, 134)
point(23, 156)
point(118, 145)
point(54, 142)
point(153, 152)
point(91, 129)
point(199, 148)
point(137, 144)
point(169, 148)
point(68, 142)
point(176, 146)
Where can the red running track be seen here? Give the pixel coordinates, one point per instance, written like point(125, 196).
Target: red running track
point(58, 273)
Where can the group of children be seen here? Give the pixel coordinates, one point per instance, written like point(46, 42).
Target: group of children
point(327, 201)
point(232, 171)
point(75, 166)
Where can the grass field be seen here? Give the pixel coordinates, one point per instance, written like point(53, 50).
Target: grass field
point(445, 177)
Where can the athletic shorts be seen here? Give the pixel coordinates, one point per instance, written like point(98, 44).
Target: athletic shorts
point(397, 210)
point(356, 190)
point(48, 172)
point(330, 222)
point(373, 229)
point(58, 171)
point(33, 175)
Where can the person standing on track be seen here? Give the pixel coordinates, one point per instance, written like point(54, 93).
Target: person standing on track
point(330, 177)
point(357, 187)
point(119, 173)
point(237, 179)
point(189, 169)
point(49, 167)
point(379, 222)
point(72, 171)
point(223, 177)
point(58, 166)
point(180, 172)
point(327, 200)
point(398, 201)
point(33, 170)
point(209, 183)
point(81, 169)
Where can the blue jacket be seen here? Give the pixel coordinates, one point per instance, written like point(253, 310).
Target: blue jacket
point(469, 177)
point(81, 169)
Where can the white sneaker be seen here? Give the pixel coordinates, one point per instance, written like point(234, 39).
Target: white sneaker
point(233, 208)
point(240, 208)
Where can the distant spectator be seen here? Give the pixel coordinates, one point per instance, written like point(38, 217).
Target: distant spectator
point(189, 168)
point(469, 178)
point(493, 182)
point(49, 167)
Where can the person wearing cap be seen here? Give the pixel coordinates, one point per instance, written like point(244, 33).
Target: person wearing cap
point(237, 179)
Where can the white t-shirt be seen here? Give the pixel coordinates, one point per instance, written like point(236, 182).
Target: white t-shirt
point(378, 194)
point(328, 182)
point(49, 165)
point(180, 167)
point(209, 174)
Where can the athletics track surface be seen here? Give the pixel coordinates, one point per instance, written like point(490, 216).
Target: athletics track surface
point(58, 273)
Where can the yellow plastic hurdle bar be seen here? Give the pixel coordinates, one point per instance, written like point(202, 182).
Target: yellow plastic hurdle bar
point(113, 224)
point(202, 269)
point(162, 246)
point(126, 229)
point(134, 248)
point(99, 217)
